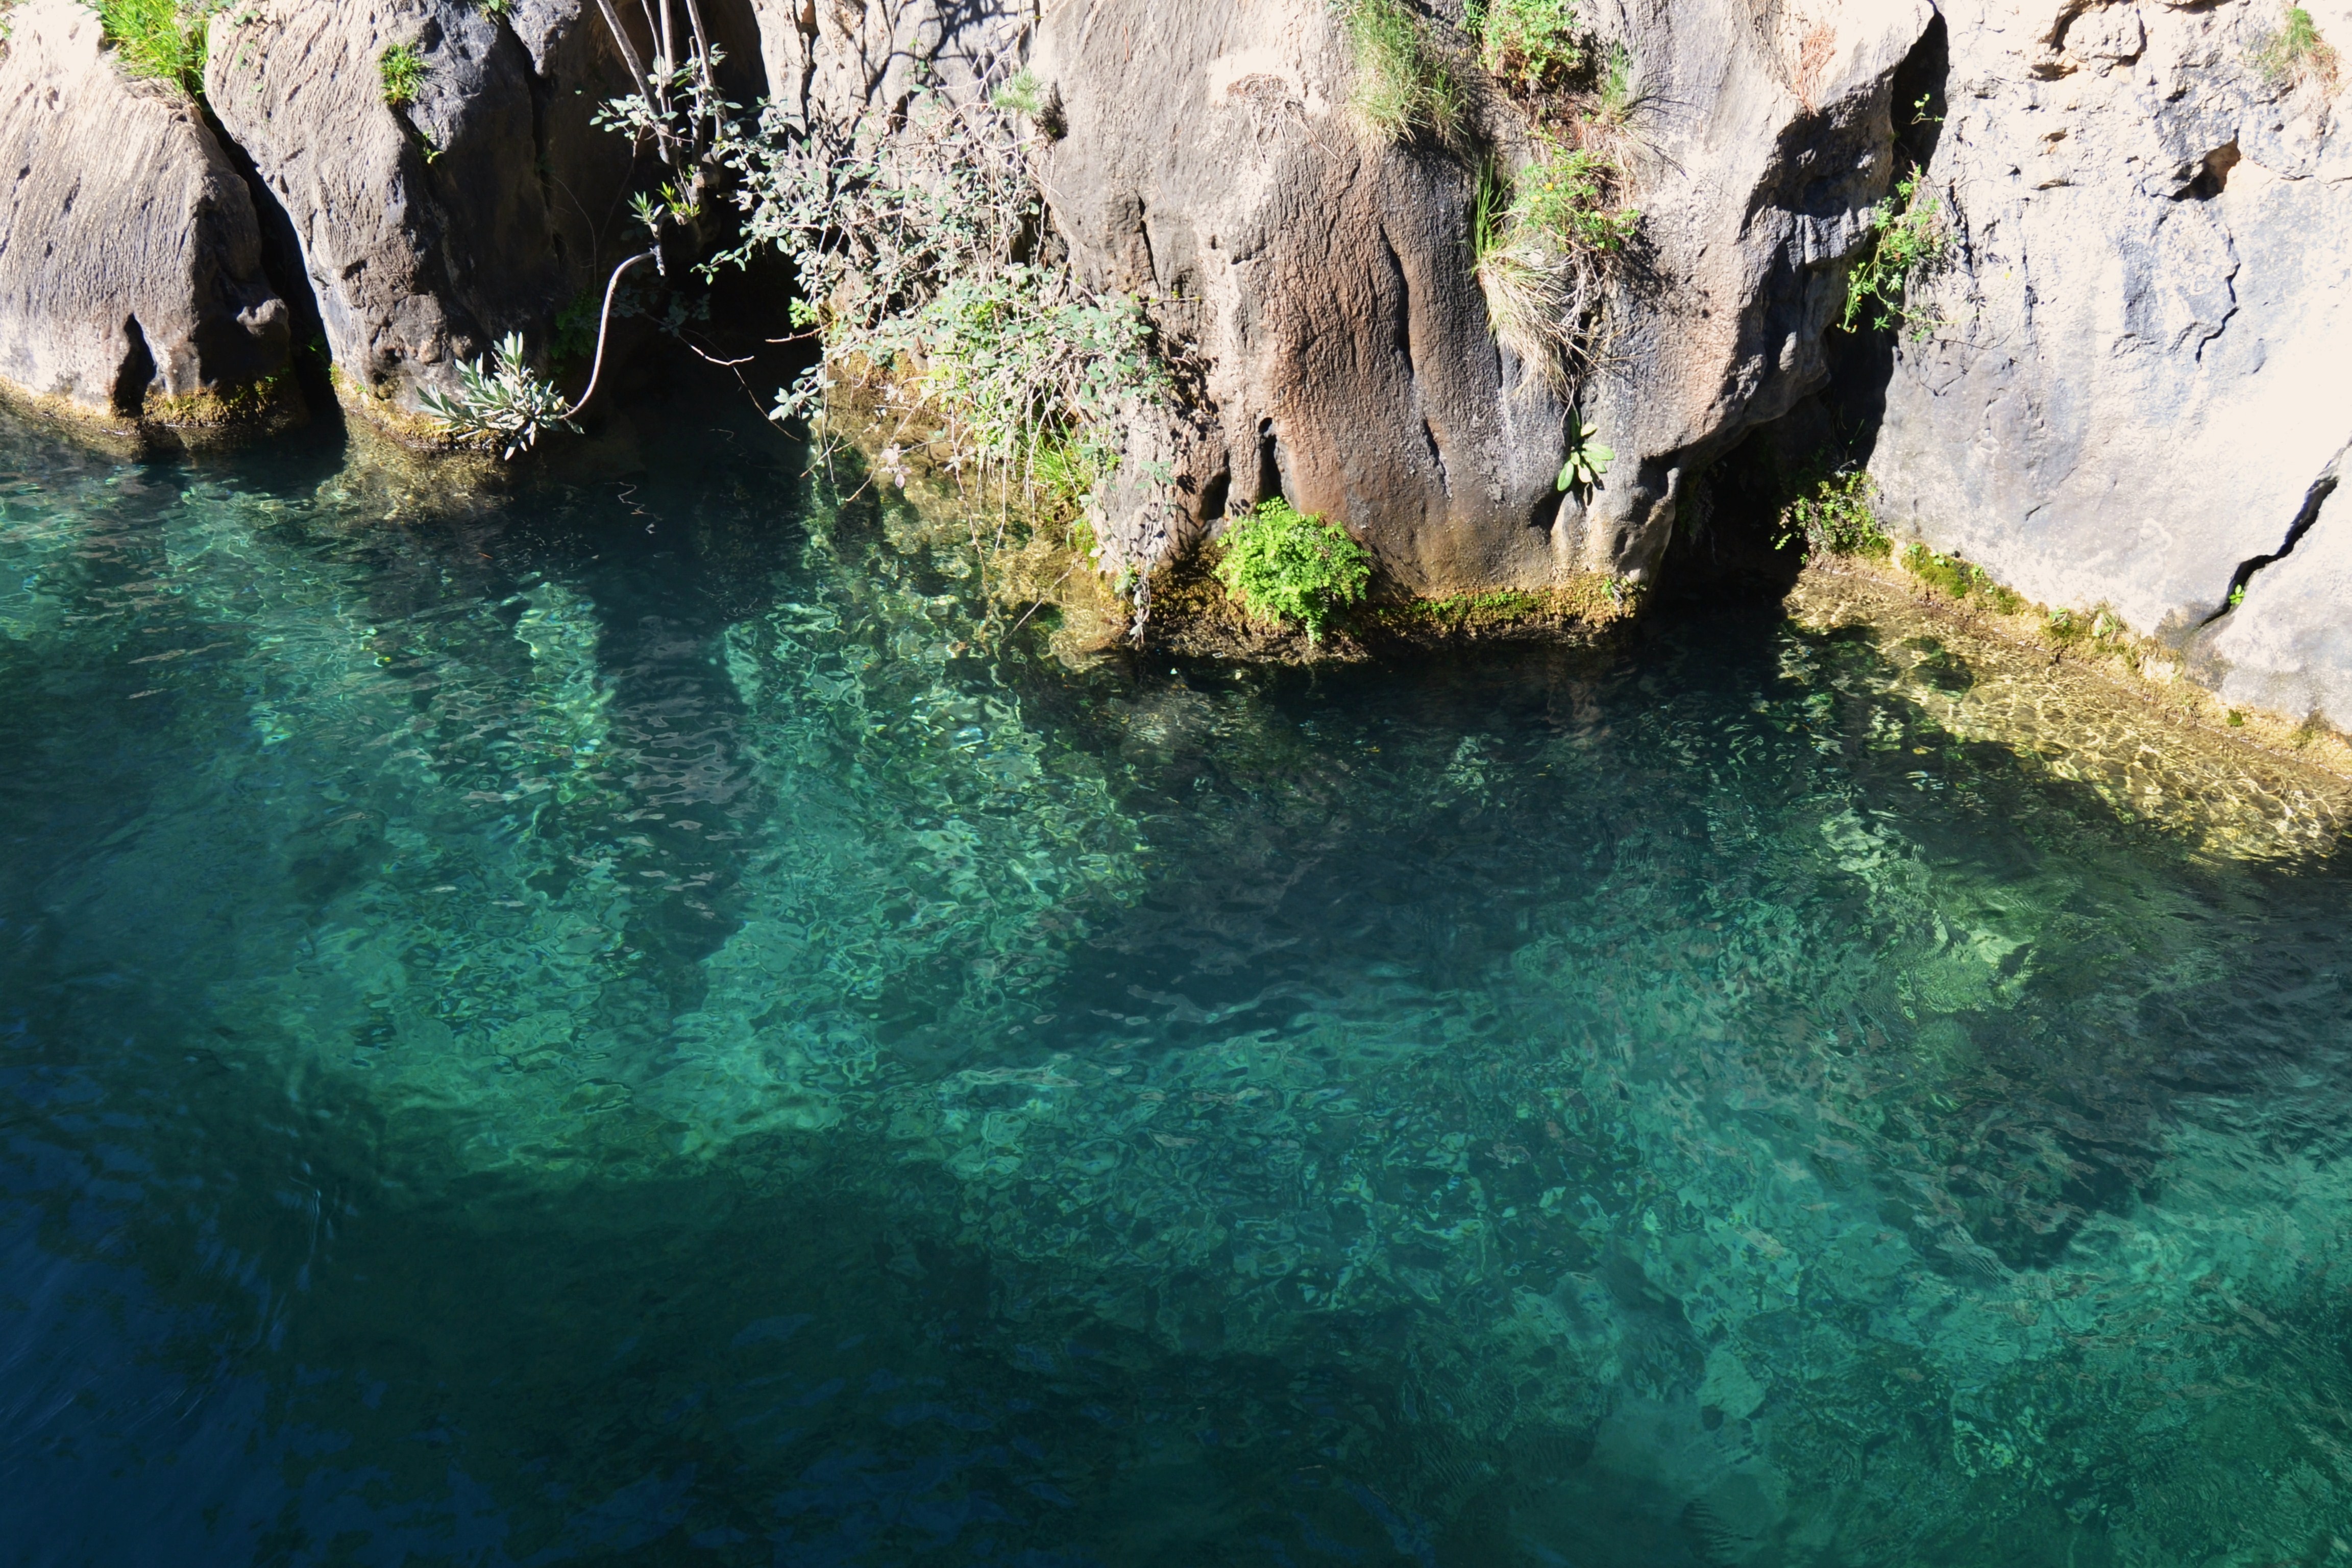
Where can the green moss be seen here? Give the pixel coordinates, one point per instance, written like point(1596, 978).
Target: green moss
point(1589, 599)
point(1959, 579)
point(257, 401)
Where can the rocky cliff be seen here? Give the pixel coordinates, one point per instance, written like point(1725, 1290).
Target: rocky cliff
point(132, 286)
point(2130, 388)
point(432, 222)
point(2120, 389)
point(1208, 161)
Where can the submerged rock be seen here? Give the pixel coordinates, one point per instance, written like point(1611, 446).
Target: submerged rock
point(131, 288)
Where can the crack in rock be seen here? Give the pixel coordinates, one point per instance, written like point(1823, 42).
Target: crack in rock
point(2305, 515)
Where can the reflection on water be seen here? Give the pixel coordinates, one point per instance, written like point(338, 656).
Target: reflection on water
point(640, 1021)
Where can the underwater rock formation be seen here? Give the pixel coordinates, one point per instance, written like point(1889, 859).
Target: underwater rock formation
point(132, 288)
point(2129, 388)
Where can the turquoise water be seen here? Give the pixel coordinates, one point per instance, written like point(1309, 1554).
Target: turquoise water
point(643, 1022)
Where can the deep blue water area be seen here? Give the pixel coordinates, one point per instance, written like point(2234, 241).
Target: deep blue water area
point(647, 1020)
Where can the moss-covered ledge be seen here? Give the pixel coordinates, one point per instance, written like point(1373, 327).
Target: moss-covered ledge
point(2109, 711)
point(194, 422)
point(1191, 615)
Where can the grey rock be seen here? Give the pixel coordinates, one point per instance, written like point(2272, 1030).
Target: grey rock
point(2287, 646)
point(2134, 371)
point(132, 288)
point(430, 229)
point(1325, 279)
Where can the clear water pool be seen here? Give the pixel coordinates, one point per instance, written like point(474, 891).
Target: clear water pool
point(643, 1023)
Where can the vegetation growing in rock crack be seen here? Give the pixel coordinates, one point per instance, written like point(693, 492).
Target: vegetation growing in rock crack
point(500, 401)
point(1587, 460)
point(160, 40)
point(1837, 515)
point(401, 70)
point(913, 249)
point(1531, 43)
point(1909, 238)
point(2295, 53)
point(1403, 89)
point(1023, 93)
point(680, 113)
point(1285, 567)
point(1546, 243)
point(1617, 97)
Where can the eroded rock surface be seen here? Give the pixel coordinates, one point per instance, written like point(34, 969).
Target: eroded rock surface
point(2134, 377)
point(132, 286)
point(429, 229)
point(1326, 279)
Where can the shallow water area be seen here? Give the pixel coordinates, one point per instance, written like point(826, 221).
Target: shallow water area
point(645, 1019)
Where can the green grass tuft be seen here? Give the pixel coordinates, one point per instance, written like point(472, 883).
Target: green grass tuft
point(159, 40)
point(1544, 245)
point(1285, 567)
point(2297, 52)
point(1404, 90)
point(402, 70)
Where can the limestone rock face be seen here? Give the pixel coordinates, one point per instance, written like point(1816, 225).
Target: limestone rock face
point(2131, 387)
point(132, 286)
point(1325, 276)
point(429, 229)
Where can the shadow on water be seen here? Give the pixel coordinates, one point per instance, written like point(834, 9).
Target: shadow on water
point(612, 1024)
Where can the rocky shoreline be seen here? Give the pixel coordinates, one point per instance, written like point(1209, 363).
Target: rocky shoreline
point(2117, 390)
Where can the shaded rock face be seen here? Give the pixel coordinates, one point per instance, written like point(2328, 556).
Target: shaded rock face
point(132, 286)
point(430, 228)
point(1324, 278)
point(2131, 388)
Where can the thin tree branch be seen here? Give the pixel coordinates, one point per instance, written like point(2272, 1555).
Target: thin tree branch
point(605, 323)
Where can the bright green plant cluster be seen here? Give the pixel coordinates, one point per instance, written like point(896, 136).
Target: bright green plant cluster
point(1908, 238)
point(2297, 52)
point(401, 70)
point(1404, 90)
point(498, 402)
point(1587, 460)
point(162, 41)
point(1283, 566)
point(1836, 517)
point(1531, 45)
